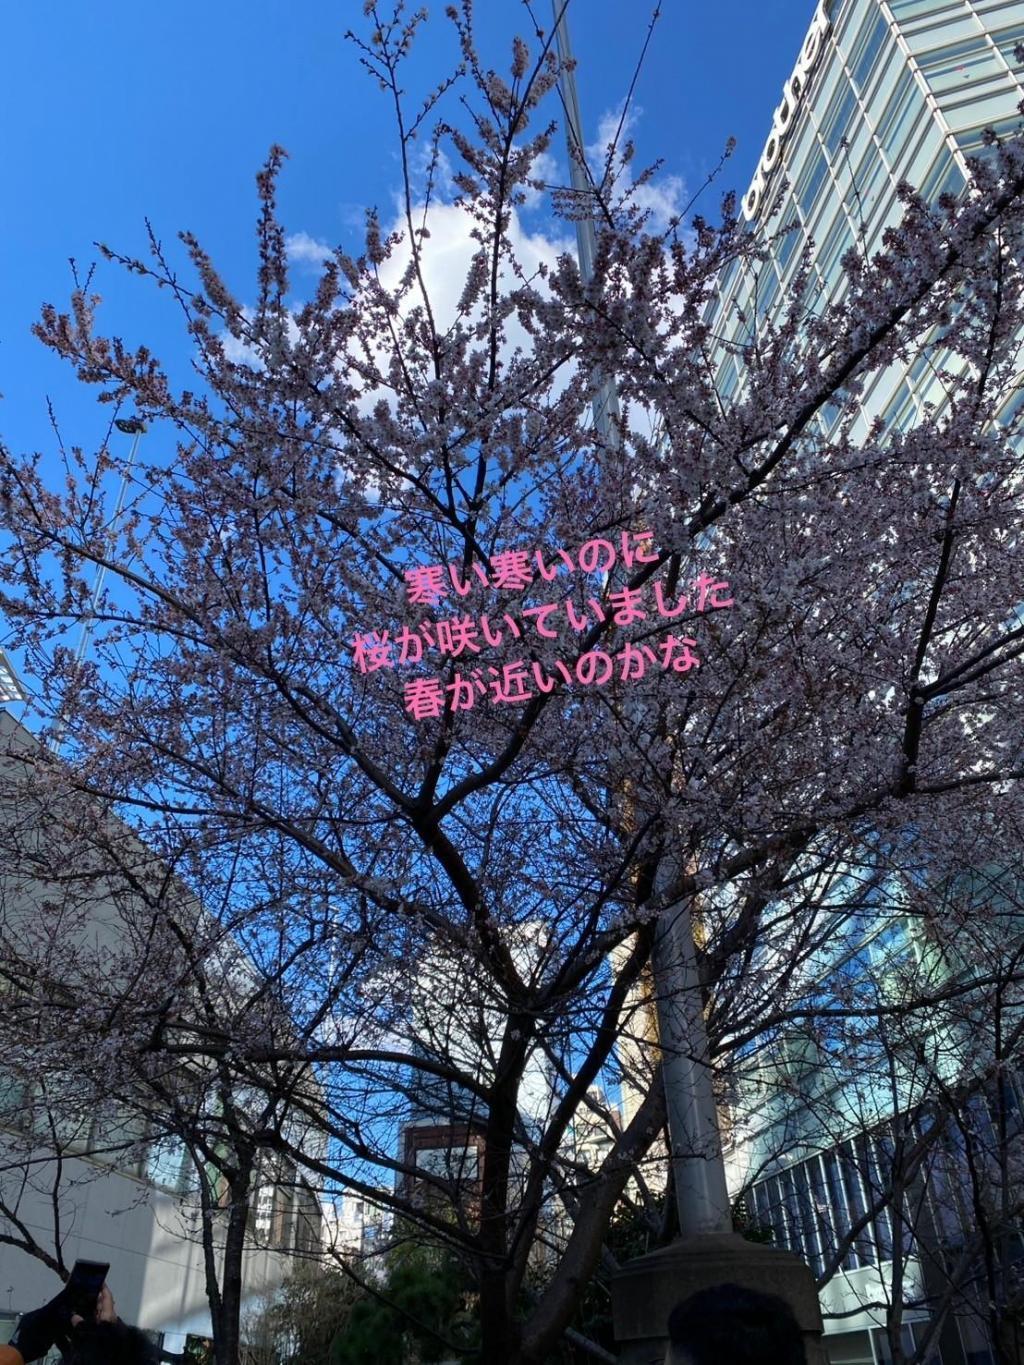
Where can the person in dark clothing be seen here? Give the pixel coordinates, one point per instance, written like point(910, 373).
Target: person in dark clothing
point(101, 1340)
point(729, 1324)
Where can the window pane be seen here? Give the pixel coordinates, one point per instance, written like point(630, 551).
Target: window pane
point(839, 1204)
point(808, 1220)
point(962, 65)
point(837, 120)
point(838, 242)
point(855, 1202)
point(796, 1238)
point(919, 166)
point(1008, 40)
point(903, 10)
point(825, 1215)
point(810, 183)
point(944, 178)
point(952, 27)
point(165, 1165)
point(873, 37)
point(902, 105)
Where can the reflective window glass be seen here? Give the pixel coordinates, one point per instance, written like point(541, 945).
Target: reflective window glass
point(729, 276)
point(825, 1214)
point(855, 1201)
point(843, 1213)
point(766, 289)
point(904, 104)
point(810, 182)
point(796, 1239)
point(902, 10)
point(824, 87)
point(863, 190)
point(964, 64)
point(837, 121)
point(944, 178)
point(998, 12)
point(799, 145)
point(892, 66)
point(808, 1221)
point(727, 378)
point(995, 110)
point(933, 37)
point(918, 158)
point(773, 1209)
point(863, 58)
point(1014, 404)
point(1008, 40)
point(901, 412)
point(882, 1165)
point(785, 245)
point(858, 143)
point(838, 242)
point(166, 1164)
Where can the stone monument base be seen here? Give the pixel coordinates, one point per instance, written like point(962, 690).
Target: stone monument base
point(645, 1291)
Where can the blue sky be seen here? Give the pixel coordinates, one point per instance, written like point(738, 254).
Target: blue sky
point(118, 112)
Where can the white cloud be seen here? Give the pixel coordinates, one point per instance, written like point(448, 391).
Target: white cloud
point(447, 254)
point(306, 250)
point(545, 168)
point(242, 352)
point(450, 248)
point(663, 196)
point(239, 352)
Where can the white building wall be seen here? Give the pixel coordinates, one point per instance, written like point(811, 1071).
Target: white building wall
point(148, 1234)
point(149, 1238)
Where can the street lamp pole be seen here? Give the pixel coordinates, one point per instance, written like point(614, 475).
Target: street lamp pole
point(707, 1252)
point(702, 1196)
point(606, 401)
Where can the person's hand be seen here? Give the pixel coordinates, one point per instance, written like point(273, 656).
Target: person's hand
point(105, 1310)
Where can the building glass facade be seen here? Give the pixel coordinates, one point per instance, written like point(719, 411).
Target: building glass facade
point(900, 90)
point(884, 92)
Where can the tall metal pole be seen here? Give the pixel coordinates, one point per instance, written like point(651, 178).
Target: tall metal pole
point(606, 401)
point(702, 1196)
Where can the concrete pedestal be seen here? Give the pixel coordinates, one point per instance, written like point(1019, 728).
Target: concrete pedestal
point(646, 1290)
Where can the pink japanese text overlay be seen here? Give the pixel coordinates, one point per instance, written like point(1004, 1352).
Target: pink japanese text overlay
point(468, 635)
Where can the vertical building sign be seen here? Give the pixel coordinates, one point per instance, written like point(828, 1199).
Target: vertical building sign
point(792, 94)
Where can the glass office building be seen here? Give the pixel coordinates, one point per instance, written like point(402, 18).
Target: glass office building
point(882, 91)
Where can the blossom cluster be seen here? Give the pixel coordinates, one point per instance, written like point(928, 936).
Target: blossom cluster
point(513, 570)
point(427, 698)
point(468, 635)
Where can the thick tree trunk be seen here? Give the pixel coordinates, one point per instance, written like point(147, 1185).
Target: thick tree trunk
point(555, 1310)
point(497, 1291)
point(227, 1331)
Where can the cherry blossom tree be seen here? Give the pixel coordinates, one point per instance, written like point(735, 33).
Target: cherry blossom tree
point(91, 922)
point(438, 691)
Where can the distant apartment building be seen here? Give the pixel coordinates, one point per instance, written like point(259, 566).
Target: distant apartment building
point(356, 1228)
point(455, 1024)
